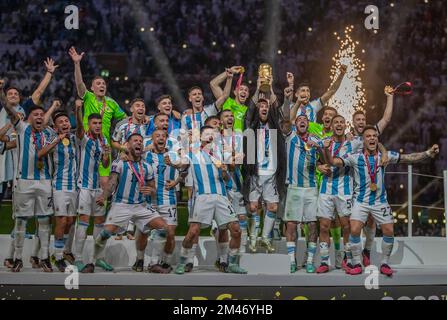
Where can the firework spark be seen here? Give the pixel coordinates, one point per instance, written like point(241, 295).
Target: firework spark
point(350, 97)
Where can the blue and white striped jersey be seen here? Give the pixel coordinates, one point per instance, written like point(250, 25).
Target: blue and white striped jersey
point(228, 145)
point(301, 164)
point(340, 182)
point(91, 153)
point(267, 150)
point(28, 144)
point(207, 178)
point(162, 174)
point(128, 189)
point(125, 128)
point(65, 165)
point(311, 109)
point(362, 181)
point(197, 120)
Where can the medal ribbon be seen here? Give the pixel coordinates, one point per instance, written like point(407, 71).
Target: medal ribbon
point(337, 151)
point(139, 177)
point(372, 175)
point(404, 93)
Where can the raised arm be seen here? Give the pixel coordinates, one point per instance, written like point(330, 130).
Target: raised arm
point(51, 67)
point(13, 115)
point(388, 110)
point(334, 87)
point(54, 106)
point(217, 81)
point(109, 189)
point(80, 85)
point(337, 162)
point(106, 155)
point(79, 122)
point(226, 92)
point(49, 147)
point(420, 156)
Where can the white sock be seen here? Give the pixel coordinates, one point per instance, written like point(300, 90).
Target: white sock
point(291, 251)
point(324, 252)
point(192, 253)
point(58, 248)
point(356, 249)
point(387, 248)
point(130, 227)
point(233, 256)
point(311, 250)
point(157, 246)
point(44, 236)
point(97, 229)
point(369, 237)
point(244, 235)
point(269, 221)
point(223, 246)
point(19, 237)
point(68, 239)
point(253, 228)
point(11, 248)
point(81, 234)
point(100, 242)
point(36, 245)
point(185, 255)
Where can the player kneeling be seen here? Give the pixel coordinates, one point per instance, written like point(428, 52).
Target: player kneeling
point(132, 181)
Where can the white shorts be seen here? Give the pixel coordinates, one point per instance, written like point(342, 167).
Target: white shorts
point(328, 205)
point(237, 201)
point(87, 203)
point(301, 204)
point(207, 207)
point(381, 213)
point(169, 214)
point(65, 203)
point(121, 213)
point(264, 187)
point(32, 198)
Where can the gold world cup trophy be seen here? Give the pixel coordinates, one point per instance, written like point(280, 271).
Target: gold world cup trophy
point(265, 75)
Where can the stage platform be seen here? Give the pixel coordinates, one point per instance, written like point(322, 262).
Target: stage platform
point(419, 275)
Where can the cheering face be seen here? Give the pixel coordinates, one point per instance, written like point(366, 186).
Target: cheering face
point(207, 136)
point(135, 146)
point(263, 109)
point(138, 110)
point(36, 119)
point(62, 124)
point(162, 122)
point(359, 123)
point(196, 99)
point(13, 97)
point(214, 123)
point(95, 126)
point(159, 138)
point(242, 93)
point(302, 123)
point(304, 94)
point(370, 140)
point(327, 118)
point(99, 87)
point(227, 119)
point(165, 106)
point(339, 126)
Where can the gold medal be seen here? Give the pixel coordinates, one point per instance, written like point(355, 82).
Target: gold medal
point(65, 142)
point(242, 70)
point(39, 164)
point(307, 147)
point(218, 164)
point(373, 187)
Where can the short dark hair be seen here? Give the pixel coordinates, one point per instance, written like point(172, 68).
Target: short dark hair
point(161, 98)
point(330, 108)
point(194, 88)
point(133, 135)
point(94, 116)
point(219, 115)
point(305, 83)
point(60, 114)
point(13, 88)
point(369, 127)
point(98, 77)
point(160, 114)
point(136, 100)
point(245, 84)
point(211, 118)
point(358, 112)
point(36, 107)
point(204, 128)
point(337, 116)
point(164, 131)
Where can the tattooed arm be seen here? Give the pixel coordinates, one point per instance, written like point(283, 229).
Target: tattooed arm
point(110, 188)
point(420, 156)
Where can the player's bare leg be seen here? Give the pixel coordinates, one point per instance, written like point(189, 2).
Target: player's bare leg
point(235, 243)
